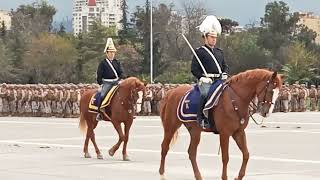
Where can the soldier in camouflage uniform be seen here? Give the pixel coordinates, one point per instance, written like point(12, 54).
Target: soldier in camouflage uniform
point(313, 98)
point(286, 98)
point(28, 108)
point(3, 90)
point(303, 94)
point(294, 98)
point(318, 97)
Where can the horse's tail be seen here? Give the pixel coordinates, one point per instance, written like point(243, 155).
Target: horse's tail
point(166, 120)
point(82, 124)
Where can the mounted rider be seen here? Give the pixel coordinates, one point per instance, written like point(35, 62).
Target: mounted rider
point(109, 72)
point(209, 64)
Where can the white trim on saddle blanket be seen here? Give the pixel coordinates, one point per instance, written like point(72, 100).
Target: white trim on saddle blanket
point(214, 99)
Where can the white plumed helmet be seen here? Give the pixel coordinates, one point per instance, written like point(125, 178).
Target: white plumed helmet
point(210, 26)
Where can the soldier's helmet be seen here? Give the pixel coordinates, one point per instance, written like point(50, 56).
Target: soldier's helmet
point(4, 85)
point(110, 46)
point(210, 26)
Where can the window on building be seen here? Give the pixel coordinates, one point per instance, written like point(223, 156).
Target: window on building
point(91, 9)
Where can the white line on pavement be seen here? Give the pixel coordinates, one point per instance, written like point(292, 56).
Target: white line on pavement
point(261, 158)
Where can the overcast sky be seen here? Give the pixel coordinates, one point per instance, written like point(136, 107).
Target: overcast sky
point(244, 11)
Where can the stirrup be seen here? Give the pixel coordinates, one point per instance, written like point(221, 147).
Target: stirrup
point(98, 117)
point(204, 124)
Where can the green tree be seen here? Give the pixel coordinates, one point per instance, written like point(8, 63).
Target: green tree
point(278, 27)
point(124, 32)
point(28, 21)
point(3, 30)
point(6, 70)
point(242, 52)
point(300, 63)
point(141, 20)
point(227, 25)
point(305, 35)
point(54, 62)
point(130, 60)
point(90, 47)
point(62, 30)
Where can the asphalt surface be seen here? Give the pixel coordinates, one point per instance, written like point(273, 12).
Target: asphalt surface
point(51, 148)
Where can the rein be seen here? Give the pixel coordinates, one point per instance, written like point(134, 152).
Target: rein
point(251, 105)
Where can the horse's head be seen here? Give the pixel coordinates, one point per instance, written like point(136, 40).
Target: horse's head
point(136, 90)
point(267, 92)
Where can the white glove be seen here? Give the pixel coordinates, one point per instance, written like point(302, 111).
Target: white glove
point(224, 76)
point(205, 80)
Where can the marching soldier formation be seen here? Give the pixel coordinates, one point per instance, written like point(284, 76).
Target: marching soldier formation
point(298, 98)
point(62, 100)
point(40, 100)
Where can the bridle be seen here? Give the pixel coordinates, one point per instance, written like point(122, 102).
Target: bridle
point(268, 88)
point(255, 107)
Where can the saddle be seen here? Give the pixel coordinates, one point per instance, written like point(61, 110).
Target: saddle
point(96, 98)
point(188, 105)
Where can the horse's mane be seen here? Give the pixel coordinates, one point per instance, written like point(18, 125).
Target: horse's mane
point(129, 81)
point(256, 74)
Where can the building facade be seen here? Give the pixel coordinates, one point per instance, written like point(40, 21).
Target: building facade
point(87, 11)
point(6, 18)
point(312, 22)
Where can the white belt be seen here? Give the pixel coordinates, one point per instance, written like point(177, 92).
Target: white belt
point(110, 80)
point(213, 75)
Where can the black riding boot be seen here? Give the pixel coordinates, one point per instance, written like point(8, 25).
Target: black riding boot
point(202, 120)
point(99, 115)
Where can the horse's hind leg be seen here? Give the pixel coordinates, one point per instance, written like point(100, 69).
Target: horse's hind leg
point(86, 143)
point(127, 127)
point(115, 147)
point(169, 132)
point(93, 140)
point(195, 134)
point(240, 138)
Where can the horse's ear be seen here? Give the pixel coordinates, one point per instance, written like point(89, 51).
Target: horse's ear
point(145, 83)
point(282, 76)
point(274, 75)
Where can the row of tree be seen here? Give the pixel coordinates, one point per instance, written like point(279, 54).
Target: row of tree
point(33, 52)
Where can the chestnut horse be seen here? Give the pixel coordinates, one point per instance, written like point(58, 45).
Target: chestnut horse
point(121, 110)
point(231, 116)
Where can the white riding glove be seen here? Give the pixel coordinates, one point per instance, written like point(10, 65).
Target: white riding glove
point(224, 76)
point(205, 80)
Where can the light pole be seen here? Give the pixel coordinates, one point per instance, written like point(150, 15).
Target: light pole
point(151, 45)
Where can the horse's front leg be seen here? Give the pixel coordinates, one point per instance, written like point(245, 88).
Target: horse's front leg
point(241, 140)
point(224, 142)
point(195, 135)
point(117, 126)
point(127, 126)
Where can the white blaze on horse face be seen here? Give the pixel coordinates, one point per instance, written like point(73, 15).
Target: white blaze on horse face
point(139, 101)
point(274, 98)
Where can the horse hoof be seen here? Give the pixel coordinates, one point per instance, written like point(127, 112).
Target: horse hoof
point(126, 158)
point(99, 156)
point(87, 155)
point(111, 153)
point(162, 177)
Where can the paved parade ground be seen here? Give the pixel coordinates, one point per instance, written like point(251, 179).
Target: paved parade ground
point(51, 149)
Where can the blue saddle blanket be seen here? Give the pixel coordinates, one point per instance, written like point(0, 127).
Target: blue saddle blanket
point(188, 105)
